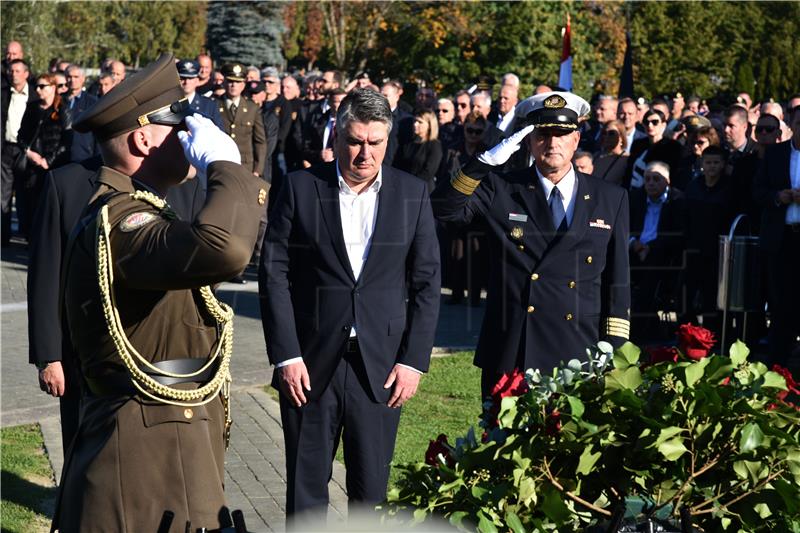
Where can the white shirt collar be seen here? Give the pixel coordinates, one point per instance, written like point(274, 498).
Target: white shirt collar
point(566, 186)
point(345, 188)
point(24, 90)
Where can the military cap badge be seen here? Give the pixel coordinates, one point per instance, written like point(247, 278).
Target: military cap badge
point(237, 69)
point(555, 102)
point(516, 232)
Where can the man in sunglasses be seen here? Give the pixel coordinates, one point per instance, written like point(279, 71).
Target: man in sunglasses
point(152, 342)
point(558, 242)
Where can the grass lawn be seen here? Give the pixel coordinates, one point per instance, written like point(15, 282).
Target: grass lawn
point(448, 401)
point(26, 487)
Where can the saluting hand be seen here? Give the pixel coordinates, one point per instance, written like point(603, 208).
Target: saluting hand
point(51, 379)
point(205, 143)
point(405, 383)
point(293, 381)
point(503, 151)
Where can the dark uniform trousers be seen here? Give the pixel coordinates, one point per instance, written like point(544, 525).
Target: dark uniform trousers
point(344, 403)
point(550, 294)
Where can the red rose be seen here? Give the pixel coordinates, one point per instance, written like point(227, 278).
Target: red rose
point(661, 354)
point(695, 341)
point(436, 447)
point(512, 384)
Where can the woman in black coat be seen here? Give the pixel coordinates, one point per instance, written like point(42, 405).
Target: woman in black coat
point(656, 147)
point(45, 136)
point(422, 156)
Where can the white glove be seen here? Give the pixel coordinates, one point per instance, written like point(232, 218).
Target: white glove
point(205, 143)
point(499, 154)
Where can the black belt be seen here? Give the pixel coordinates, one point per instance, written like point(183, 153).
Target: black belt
point(120, 384)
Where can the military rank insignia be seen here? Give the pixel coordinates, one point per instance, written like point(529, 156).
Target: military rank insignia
point(262, 197)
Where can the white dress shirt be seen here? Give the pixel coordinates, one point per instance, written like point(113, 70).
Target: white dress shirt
point(358, 212)
point(793, 211)
point(328, 133)
point(16, 108)
point(505, 122)
point(567, 187)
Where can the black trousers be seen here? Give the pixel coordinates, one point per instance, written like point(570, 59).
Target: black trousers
point(7, 185)
point(312, 432)
point(784, 296)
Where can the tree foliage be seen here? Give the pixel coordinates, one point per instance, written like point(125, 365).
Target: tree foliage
point(249, 32)
point(88, 32)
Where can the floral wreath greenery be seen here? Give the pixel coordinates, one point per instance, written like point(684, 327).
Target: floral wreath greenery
point(679, 435)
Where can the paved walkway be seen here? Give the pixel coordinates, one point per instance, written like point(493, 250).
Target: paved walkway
point(254, 463)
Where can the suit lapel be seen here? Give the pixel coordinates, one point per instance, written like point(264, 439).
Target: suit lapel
point(328, 191)
point(585, 202)
point(382, 217)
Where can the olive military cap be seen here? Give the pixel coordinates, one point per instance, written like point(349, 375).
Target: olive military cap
point(151, 96)
point(233, 71)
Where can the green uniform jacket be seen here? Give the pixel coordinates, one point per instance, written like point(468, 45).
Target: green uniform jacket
point(133, 459)
point(246, 128)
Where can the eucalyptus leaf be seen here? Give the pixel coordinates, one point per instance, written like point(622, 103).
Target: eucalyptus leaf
point(751, 437)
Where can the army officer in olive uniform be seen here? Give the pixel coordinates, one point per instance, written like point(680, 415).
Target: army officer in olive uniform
point(558, 245)
point(153, 342)
point(241, 118)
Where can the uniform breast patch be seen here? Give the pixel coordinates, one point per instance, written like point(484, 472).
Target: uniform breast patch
point(136, 220)
point(599, 223)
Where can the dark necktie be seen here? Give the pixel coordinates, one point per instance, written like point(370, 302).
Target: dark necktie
point(557, 209)
point(233, 109)
point(329, 142)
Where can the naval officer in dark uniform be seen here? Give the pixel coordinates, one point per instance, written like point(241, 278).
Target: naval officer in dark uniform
point(188, 70)
point(153, 342)
point(558, 243)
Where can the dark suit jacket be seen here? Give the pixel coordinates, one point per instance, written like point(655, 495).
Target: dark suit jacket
point(549, 295)
point(208, 108)
point(83, 144)
point(772, 176)
point(671, 232)
point(247, 130)
point(311, 133)
point(310, 299)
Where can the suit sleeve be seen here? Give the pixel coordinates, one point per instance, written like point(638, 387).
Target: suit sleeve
point(44, 278)
point(765, 190)
point(615, 281)
point(424, 274)
point(259, 144)
point(468, 193)
point(165, 254)
point(277, 311)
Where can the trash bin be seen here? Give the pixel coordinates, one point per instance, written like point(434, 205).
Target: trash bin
point(739, 280)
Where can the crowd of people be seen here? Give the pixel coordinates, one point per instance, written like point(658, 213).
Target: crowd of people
point(565, 259)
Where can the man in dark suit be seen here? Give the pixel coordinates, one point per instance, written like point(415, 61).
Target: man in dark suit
point(349, 286)
point(65, 194)
point(78, 100)
point(241, 119)
point(317, 132)
point(188, 71)
point(777, 193)
point(558, 278)
point(402, 121)
point(657, 243)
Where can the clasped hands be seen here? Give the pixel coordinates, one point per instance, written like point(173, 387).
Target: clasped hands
point(294, 383)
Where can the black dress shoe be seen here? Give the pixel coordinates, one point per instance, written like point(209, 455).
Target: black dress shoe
point(238, 279)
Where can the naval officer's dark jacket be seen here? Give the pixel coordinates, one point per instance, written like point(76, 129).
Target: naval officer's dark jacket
point(134, 457)
point(208, 108)
point(550, 295)
point(246, 128)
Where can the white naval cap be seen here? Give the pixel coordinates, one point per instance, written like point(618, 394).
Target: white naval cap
point(556, 109)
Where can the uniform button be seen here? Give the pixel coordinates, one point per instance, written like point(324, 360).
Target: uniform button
point(534, 276)
point(188, 414)
point(571, 284)
point(233, 126)
point(345, 328)
point(568, 316)
point(521, 247)
point(531, 309)
point(589, 260)
point(233, 135)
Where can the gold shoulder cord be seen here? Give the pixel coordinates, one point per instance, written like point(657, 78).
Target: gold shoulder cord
point(149, 387)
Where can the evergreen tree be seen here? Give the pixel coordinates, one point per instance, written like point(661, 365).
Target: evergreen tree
point(248, 32)
point(745, 81)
